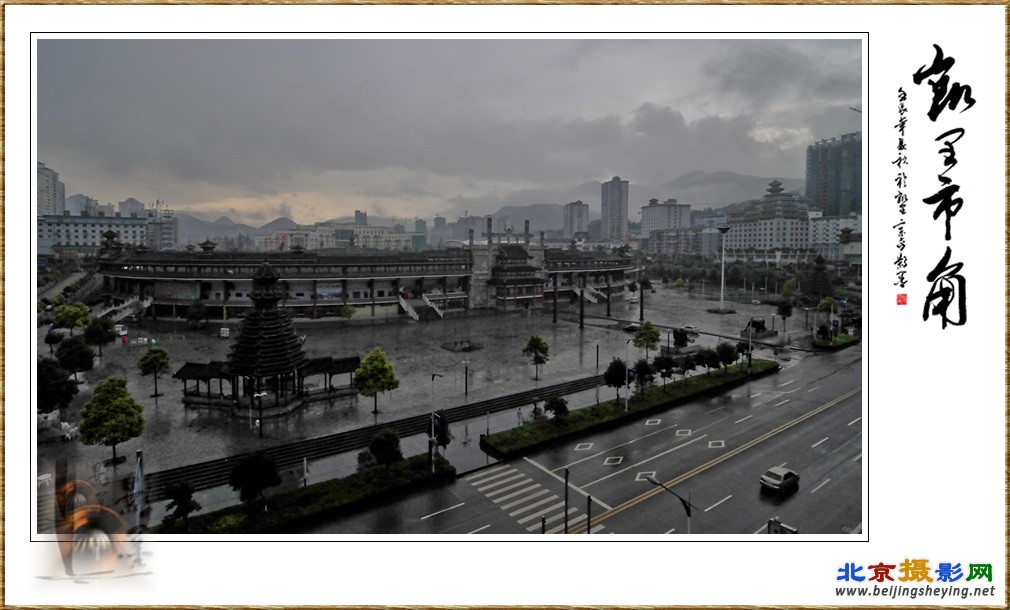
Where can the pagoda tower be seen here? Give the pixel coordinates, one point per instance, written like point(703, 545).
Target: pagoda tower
point(267, 354)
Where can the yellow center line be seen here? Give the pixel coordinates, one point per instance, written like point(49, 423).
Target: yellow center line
point(687, 475)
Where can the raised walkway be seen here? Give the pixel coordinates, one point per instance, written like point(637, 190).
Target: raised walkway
point(214, 473)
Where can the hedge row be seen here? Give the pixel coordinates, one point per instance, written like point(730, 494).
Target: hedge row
point(514, 442)
point(320, 501)
point(840, 342)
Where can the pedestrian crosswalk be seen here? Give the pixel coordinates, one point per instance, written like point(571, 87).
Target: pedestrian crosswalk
point(533, 505)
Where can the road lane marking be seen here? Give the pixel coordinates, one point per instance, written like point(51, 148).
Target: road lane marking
point(728, 455)
point(571, 524)
point(596, 529)
point(718, 503)
point(551, 519)
point(571, 485)
point(507, 488)
point(493, 477)
point(819, 442)
point(525, 499)
point(531, 507)
point(755, 395)
point(695, 439)
point(444, 510)
point(782, 465)
point(712, 411)
point(518, 475)
point(813, 389)
point(480, 529)
point(541, 513)
point(516, 493)
point(744, 419)
point(611, 449)
point(790, 391)
point(763, 528)
point(484, 473)
point(787, 383)
point(820, 486)
point(782, 403)
point(857, 458)
point(855, 420)
point(664, 533)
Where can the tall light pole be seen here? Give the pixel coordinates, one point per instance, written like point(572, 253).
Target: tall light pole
point(259, 398)
point(466, 378)
point(722, 282)
point(687, 503)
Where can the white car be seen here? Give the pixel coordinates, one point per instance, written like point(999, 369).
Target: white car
point(691, 329)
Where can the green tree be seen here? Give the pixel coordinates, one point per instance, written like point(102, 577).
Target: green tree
point(112, 416)
point(687, 365)
point(558, 406)
point(374, 375)
point(727, 353)
point(154, 362)
point(254, 474)
point(616, 376)
point(743, 348)
point(385, 446)
point(708, 358)
point(71, 315)
point(665, 366)
point(537, 349)
point(785, 309)
point(56, 390)
point(75, 356)
point(644, 375)
point(679, 283)
point(181, 503)
point(99, 332)
point(197, 315)
point(443, 435)
point(679, 338)
point(53, 339)
point(647, 337)
point(347, 311)
point(788, 288)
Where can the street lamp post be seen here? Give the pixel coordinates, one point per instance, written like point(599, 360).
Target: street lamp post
point(466, 378)
point(722, 281)
point(687, 503)
point(259, 399)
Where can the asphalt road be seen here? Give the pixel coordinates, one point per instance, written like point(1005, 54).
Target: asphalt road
point(806, 417)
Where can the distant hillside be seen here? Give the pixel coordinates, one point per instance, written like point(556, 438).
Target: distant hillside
point(711, 189)
point(542, 216)
point(193, 230)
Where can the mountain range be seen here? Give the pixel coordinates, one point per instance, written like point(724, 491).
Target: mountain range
point(697, 188)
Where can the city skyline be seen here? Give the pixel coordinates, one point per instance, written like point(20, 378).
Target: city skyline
point(254, 130)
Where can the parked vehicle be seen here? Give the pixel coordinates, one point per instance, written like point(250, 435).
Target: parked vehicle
point(691, 329)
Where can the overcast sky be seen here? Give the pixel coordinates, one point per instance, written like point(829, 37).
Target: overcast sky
point(313, 130)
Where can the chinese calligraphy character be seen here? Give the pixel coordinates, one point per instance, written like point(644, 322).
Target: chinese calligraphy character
point(947, 286)
point(941, 95)
point(945, 204)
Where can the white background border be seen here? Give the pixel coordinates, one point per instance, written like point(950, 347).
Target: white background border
point(937, 450)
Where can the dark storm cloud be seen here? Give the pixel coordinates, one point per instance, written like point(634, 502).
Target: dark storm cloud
point(427, 120)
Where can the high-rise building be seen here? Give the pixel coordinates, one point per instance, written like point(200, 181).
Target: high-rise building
point(834, 175)
point(421, 226)
point(614, 209)
point(777, 225)
point(360, 217)
point(51, 195)
point(667, 215)
point(576, 219)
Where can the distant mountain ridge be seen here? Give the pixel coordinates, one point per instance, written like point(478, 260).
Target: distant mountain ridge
point(696, 188)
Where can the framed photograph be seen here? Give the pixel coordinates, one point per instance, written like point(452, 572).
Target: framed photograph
point(506, 305)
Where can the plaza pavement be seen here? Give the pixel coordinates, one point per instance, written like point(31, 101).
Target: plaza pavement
point(176, 436)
